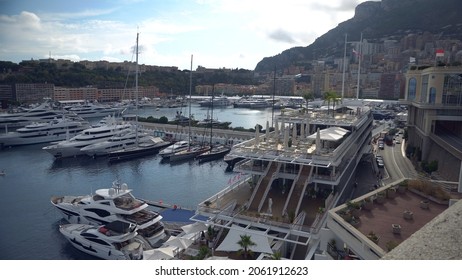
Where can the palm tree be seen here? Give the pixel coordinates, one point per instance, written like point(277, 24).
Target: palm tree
point(308, 97)
point(276, 255)
point(329, 97)
point(245, 243)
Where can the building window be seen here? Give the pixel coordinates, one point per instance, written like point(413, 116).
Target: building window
point(424, 89)
point(432, 97)
point(411, 89)
point(452, 90)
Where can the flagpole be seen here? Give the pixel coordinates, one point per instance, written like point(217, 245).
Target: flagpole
point(359, 65)
point(344, 67)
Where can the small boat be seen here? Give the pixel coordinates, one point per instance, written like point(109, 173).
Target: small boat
point(2, 173)
point(113, 241)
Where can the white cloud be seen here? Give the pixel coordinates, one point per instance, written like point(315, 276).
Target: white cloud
point(220, 33)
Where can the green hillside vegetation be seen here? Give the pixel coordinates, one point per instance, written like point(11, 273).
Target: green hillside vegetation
point(76, 75)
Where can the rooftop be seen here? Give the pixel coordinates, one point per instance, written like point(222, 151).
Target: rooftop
point(387, 216)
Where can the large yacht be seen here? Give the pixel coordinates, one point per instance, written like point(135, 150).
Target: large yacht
point(72, 147)
point(289, 178)
point(174, 148)
point(113, 204)
point(44, 132)
point(221, 101)
point(124, 139)
point(113, 241)
point(90, 110)
point(43, 112)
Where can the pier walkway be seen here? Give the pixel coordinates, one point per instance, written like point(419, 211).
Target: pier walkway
point(236, 136)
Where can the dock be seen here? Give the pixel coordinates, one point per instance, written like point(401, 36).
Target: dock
point(228, 134)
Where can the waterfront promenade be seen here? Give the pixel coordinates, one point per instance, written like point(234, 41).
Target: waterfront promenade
point(235, 135)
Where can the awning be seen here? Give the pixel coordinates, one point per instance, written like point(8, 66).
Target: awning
point(193, 228)
point(230, 243)
point(332, 133)
point(162, 253)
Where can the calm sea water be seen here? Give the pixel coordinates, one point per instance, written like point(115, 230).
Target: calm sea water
point(29, 223)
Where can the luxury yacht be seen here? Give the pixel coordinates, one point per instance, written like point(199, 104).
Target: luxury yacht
point(44, 132)
point(43, 112)
point(148, 146)
point(113, 241)
point(72, 147)
point(124, 139)
point(113, 204)
point(91, 110)
point(174, 148)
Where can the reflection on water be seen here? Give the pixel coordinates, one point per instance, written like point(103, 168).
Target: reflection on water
point(80, 162)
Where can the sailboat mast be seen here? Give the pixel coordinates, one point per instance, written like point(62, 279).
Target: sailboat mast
point(136, 89)
point(211, 116)
point(344, 68)
point(359, 65)
point(190, 92)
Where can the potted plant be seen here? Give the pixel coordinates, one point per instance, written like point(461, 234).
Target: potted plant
point(380, 198)
point(354, 208)
point(367, 204)
point(424, 204)
point(408, 215)
point(373, 237)
point(402, 186)
point(396, 228)
point(391, 192)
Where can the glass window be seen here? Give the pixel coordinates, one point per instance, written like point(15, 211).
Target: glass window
point(432, 97)
point(412, 89)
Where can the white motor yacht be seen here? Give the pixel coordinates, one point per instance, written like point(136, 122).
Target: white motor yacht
point(174, 148)
point(113, 241)
point(73, 146)
point(113, 204)
point(124, 139)
point(91, 110)
point(44, 132)
point(42, 113)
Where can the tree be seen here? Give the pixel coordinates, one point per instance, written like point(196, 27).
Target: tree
point(245, 243)
point(329, 97)
point(308, 97)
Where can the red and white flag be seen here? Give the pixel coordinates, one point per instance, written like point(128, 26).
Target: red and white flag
point(439, 52)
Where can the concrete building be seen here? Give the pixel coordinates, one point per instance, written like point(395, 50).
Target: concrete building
point(434, 99)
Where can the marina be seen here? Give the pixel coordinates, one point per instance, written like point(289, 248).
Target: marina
point(281, 189)
point(31, 176)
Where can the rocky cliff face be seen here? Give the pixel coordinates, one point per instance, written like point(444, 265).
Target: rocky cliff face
point(377, 21)
point(366, 10)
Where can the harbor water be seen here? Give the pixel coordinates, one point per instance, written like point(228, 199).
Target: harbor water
point(29, 229)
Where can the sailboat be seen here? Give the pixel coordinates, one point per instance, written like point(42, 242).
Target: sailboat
point(192, 151)
point(148, 146)
point(217, 151)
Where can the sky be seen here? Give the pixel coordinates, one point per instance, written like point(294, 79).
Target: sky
point(217, 33)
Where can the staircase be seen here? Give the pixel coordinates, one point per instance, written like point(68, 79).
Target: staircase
point(295, 197)
point(263, 186)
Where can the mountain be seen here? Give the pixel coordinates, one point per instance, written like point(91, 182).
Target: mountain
point(387, 19)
